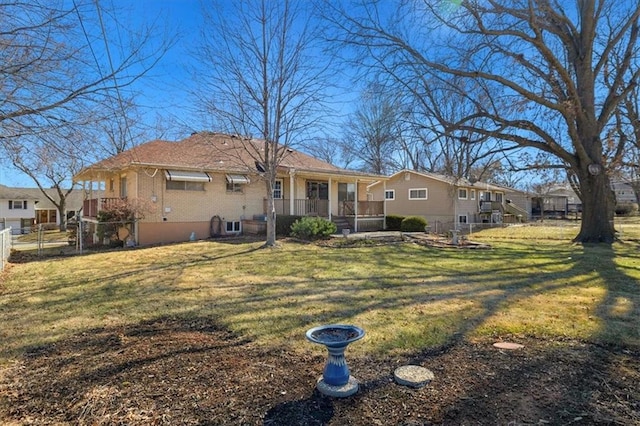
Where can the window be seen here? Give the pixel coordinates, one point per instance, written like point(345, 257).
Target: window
point(234, 187)
point(462, 193)
point(277, 190)
point(317, 190)
point(390, 194)
point(485, 196)
point(418, 194)
point(473, 194)
point(499, 197)
point(462, 218)
point(17, 205)
point(235, 183)
point(182, 185)
point(233, 226)
point(111, 185)
point(123, 187)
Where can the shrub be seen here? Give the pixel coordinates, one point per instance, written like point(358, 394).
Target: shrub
point(113, 220)
point(627, 209)
point(284, 223)
point(394, 222)
point(413, 224)
point(311, 228)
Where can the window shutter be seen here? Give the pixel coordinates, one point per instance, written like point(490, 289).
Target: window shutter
point(24, 204)
point(10, 205)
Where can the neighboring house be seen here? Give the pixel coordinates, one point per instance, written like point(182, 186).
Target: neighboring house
point(558, 201)
point(625, 194)
point(21, 208)
point(17, 209)
point(209, 185)
point(46, 213)
point(448, 203)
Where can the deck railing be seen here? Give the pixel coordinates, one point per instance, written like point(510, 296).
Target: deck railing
point(91, 207)
point(303, 207)
point(365, 208)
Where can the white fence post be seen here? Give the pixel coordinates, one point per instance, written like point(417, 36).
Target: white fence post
point(5, 247)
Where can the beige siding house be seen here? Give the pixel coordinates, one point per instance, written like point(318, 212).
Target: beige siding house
point(447, 203)
point(210, 185)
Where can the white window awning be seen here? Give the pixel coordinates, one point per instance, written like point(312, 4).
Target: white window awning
point(239, 179)
point(185, 176)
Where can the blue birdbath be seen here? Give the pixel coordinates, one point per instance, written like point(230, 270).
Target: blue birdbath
point(336, 338)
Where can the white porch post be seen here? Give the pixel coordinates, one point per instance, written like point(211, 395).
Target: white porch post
point(330, 196)
point(292, 191)
point(355, 210)
point(384, 204)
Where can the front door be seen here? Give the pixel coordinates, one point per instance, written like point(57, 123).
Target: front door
point(346, 198)
point(317, 197)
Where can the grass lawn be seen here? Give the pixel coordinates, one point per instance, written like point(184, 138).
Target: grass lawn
point(213, 332)
point(407, 297)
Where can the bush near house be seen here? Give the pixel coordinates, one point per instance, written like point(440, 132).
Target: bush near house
point(413, 224)
point(394, 222)
point(112, 222)
point(313, 228)
point(284, 223)
point(627, 209)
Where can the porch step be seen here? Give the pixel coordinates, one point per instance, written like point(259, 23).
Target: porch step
point(341, 222)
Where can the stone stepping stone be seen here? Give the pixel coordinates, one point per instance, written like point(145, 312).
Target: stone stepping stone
point(413, 376)
point(508, 345)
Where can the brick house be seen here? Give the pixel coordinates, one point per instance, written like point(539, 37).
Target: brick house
point(209, 184)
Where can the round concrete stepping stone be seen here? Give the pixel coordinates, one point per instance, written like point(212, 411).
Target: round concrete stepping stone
point(508, 345)
point(343, 391)
point(413, 375)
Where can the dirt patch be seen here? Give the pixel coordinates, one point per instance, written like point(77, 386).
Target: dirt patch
point(191, 371)
point(388, 238)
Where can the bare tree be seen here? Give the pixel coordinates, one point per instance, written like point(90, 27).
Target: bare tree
point(49, 166)
point(624, 138)
point(540, 63)
point(58, 69)
point(331, 149)
point(432, 107)
point(52, 67)
point(373, 131)
point(261, 76)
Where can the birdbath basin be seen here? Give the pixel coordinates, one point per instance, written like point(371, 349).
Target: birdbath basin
point(336, 379)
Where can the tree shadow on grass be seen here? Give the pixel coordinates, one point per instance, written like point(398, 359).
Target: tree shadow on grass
point(193, 369)
point(555, 380)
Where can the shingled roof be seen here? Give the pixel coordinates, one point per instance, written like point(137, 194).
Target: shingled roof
point(208, 151)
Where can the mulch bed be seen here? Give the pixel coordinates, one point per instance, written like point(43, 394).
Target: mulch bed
point(175, 371)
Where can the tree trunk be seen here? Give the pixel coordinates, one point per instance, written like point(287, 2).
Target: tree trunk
point(271, 216)
point(598, 206)
point(62, 213)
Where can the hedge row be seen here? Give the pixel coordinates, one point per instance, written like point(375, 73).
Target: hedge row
point(406, 224)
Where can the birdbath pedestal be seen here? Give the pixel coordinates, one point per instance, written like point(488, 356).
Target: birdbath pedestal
point(336, 379)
